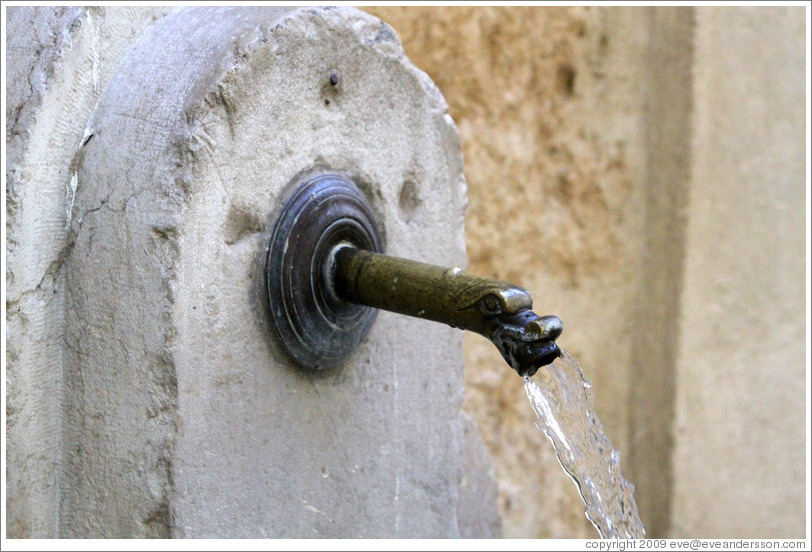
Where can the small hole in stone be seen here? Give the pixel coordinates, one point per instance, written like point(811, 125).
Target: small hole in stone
point(408, 200)
point(326, 102)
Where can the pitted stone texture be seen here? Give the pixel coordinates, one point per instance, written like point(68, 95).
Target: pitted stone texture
point(549, 102)
point(188, 419)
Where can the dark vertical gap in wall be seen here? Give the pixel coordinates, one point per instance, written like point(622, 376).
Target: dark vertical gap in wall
point(668, 139)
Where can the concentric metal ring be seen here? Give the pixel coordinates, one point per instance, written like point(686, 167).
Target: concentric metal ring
point(316, 328)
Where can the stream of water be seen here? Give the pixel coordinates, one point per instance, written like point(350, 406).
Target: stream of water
point(562, 397)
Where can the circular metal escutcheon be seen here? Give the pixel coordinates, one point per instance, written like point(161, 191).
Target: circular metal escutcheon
point(315, 327)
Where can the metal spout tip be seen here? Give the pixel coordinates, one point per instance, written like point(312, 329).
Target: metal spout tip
point(546, 327)
point(526, 340)
point(545, 358)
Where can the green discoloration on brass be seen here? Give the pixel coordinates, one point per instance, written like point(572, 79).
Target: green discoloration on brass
point(497, 310)
point(322, 271)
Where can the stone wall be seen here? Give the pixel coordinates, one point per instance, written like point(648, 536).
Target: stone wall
point(548, 102)
point(641, 171)
point(153, 400)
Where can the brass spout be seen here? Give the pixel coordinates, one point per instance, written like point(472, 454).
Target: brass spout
point(497, 310)
point(325, 276)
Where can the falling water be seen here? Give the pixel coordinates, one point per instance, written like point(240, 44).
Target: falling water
point(563, 400)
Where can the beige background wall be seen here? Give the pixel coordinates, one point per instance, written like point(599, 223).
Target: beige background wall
point(641, 171)
point(739, 463)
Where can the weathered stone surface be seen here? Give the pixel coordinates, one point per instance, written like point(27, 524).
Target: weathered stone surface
point(478, 507)
point(58, 60)
point(186, 418)
point(550, 107)
point(586, 187)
